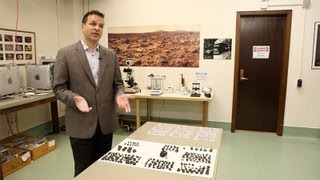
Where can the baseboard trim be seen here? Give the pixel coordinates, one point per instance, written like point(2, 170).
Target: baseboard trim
point(45, 128)
point(301, 132)
point(287, 131)
point(131, 120)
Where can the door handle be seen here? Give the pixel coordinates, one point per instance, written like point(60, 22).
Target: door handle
point(242, 78)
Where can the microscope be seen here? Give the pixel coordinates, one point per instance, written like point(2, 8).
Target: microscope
point(132, 86)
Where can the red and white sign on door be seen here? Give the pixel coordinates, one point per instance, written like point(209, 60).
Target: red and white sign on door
point(260, 52)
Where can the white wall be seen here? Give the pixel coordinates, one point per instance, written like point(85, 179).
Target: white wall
point(57, 24)
point(218, 19)
point(38, 16)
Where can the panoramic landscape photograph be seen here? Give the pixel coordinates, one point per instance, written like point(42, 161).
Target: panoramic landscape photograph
point(157, 46)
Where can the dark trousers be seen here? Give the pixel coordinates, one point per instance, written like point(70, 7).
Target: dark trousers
point(87, 151)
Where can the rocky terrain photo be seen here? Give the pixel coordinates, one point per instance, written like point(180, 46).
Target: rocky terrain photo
point(159, 48)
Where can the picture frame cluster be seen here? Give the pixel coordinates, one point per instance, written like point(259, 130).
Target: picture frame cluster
point(17, 47)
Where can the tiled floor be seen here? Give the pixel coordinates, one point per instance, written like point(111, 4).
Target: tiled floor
point(243, 156)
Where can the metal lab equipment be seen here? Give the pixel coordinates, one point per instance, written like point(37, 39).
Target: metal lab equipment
point(156, 87)
point(132, 87)
point(195, 89)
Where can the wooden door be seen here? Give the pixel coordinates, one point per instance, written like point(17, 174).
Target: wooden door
point(261, 65)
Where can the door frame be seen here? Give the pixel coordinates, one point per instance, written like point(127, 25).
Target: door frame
point(284, 70)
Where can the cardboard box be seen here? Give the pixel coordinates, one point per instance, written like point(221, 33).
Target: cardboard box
point(44, 148)
point(18, 159)
point(37, 146)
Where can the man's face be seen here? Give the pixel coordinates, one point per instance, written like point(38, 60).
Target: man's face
point(93, 28)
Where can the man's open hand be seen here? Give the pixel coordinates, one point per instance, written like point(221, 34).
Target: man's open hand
point(82, 104)
point(123, 102)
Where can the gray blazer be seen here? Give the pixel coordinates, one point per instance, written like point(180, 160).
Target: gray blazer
point(72, 76)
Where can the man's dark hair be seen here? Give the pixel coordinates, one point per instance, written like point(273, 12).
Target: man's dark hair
point(92, 12)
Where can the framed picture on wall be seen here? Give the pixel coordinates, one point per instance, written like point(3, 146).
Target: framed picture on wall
point(17, 47)
point(316, 47)
point(217, 48)
point(156, 46)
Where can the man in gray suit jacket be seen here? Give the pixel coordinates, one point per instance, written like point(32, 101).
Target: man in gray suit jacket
point(88, 80)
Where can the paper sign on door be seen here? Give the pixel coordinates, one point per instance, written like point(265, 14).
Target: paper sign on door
point(260, 52)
